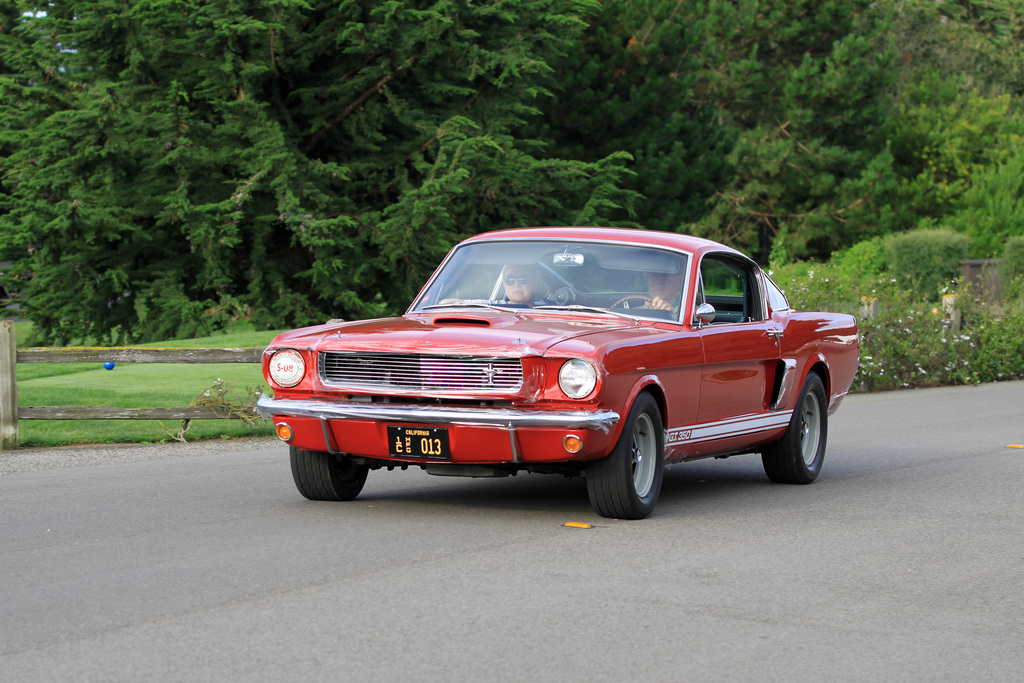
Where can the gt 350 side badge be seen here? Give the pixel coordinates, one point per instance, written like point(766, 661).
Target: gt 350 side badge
point(735, 426)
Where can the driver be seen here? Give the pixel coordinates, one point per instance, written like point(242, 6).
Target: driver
point(521, 285)
point(666, 290)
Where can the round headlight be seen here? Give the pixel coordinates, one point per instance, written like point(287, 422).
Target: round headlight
point(577, 378)
point(287, 368)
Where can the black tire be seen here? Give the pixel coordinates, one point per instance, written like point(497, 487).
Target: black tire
point(626, 483)
point(797, 457)
point(323, 476)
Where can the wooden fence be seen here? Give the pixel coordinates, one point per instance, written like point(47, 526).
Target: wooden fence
point(10, 356)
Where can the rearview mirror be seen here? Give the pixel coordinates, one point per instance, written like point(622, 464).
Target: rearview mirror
point(566, 259)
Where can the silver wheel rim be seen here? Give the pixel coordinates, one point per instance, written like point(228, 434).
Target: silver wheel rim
point(643, 455)
point(810, 428)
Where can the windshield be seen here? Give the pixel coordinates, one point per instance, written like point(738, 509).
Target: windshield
point(639, 281)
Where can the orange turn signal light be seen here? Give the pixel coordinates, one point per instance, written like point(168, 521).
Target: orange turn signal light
point(572, 444)
point(284, 432)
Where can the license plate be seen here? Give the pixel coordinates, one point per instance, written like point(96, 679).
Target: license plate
point(419, 442)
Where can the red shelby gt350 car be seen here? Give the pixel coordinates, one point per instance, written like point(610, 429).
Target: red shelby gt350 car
point(598, 352)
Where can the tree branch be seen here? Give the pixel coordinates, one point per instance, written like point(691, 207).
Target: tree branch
point(359, 101)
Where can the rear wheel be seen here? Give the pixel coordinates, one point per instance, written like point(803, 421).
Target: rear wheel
point(797, 457)
point(625, 484)
point(326, 476)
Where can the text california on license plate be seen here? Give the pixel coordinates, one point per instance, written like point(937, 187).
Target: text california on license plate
point(419, 442)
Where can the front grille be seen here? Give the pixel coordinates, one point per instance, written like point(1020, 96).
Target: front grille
point(420, 373)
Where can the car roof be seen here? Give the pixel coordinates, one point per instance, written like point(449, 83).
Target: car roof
point(655, 238)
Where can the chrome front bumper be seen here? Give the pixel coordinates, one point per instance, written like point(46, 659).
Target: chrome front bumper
point(602, 420)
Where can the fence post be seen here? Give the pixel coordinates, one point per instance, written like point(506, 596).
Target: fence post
point(8, 386)
point(868, 307)
point(951, 312)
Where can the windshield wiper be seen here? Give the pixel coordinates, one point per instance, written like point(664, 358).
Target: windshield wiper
point(520, 311)
point(586, 309)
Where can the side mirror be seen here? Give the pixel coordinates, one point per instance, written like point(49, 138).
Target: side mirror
point(705, 313)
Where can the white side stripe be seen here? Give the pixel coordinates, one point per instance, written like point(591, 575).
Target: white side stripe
point(734, 426)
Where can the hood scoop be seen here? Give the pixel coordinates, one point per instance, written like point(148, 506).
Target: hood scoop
point(463, 320)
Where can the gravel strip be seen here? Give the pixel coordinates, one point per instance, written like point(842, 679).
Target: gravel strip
point(34, 459)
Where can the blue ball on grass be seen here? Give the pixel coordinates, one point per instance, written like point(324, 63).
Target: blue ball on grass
point(109, 365)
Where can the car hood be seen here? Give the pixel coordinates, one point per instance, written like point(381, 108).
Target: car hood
point(495, 333)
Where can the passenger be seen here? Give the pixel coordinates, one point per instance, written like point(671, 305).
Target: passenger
point(666, 290)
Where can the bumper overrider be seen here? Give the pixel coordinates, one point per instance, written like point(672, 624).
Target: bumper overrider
point(478, 434)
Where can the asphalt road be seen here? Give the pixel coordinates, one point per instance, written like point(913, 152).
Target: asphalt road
point(903, 562)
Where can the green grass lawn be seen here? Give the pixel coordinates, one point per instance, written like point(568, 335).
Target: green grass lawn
point(137, 385)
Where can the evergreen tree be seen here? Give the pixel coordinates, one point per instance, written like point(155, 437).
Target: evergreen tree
point(958, 141)
point(629, 85)
point(10, 17)
point(177, 164)
point(996, 60)
point(804, 84)
point(747, 119)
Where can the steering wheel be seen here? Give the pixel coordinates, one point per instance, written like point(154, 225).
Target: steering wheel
point(624, 299)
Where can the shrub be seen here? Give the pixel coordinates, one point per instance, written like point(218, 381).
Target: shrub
point(833, 286)
point(895, 346)
point(926, 261)
point(868, 258)
point(1012, 265)
point(910, 343)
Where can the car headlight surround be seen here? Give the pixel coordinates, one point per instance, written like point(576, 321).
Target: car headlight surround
point(577, 378)
point(287, 368)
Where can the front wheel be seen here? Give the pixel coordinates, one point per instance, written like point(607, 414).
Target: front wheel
point(326, 476)
point(625, 484)
point(796, 458)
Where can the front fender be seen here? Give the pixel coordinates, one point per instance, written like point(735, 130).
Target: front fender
point(648, 382)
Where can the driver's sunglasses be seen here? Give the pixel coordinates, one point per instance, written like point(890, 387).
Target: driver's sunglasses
point(512, 280)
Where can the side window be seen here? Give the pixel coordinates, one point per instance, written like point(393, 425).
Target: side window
point(776, 299)
point(731, 287)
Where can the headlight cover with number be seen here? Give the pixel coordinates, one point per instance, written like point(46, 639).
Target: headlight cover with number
point(287, 368)
point(577, 378)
